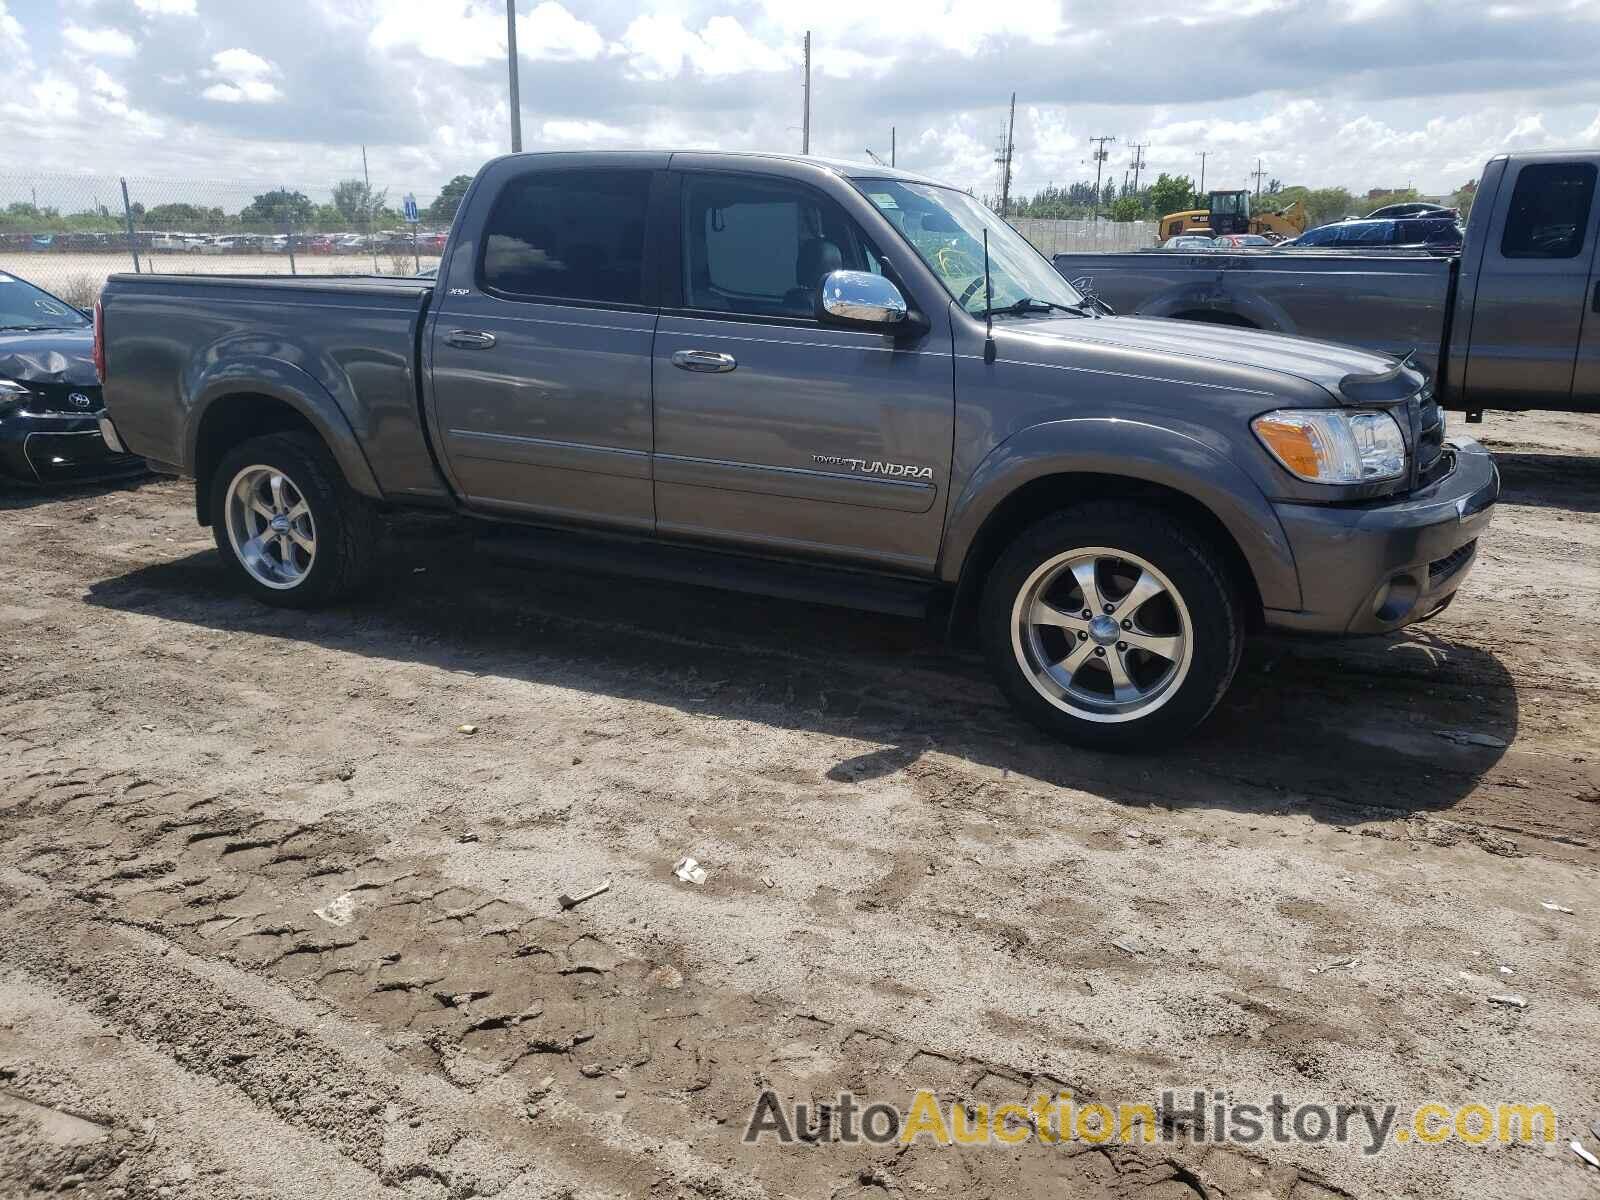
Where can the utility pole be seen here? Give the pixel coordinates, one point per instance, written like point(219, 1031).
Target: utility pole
point(805, 127)
point(1138, 162)
point(1100, 156)
point(511, 57)
point(891, 145)
point(1011, 146)
point(1258, 173)
point(366, 209)
point(1203, 154)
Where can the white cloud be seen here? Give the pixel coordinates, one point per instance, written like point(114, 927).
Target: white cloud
point(105, 43)
point(468, 33)
point(662, 47)
point(166, 8)
point(243, 78)
point(12, 44)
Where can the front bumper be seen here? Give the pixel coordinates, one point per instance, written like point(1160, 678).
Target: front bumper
point(1372, 568)
point(59, 448)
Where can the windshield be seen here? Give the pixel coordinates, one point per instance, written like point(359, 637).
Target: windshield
point(945, 227)
point(23, 306)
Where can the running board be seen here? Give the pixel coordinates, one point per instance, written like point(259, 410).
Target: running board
point(610, 554)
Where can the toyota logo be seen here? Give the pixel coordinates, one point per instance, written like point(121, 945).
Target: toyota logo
point(79, 400)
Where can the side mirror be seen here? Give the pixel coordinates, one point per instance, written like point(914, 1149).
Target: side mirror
point(861, 298)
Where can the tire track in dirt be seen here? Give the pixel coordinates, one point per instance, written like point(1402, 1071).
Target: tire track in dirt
point(604, 1066)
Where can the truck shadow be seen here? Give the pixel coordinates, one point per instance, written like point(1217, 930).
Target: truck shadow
point(1345, 732)
point(1565, 481)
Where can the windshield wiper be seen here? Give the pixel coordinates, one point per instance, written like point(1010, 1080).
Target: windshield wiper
point(1030, 305)
point(33, 328)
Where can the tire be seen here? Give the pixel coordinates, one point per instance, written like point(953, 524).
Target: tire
point(324, 549)
point(1176, 648)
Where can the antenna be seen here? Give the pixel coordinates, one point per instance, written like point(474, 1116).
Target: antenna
point(988, 304)
point(875, 158)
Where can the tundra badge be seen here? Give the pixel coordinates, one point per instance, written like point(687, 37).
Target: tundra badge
point(874, 466)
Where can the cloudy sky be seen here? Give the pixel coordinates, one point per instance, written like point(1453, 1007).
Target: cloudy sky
point(1363, 93)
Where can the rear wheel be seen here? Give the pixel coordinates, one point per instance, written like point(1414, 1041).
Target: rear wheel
point(1112, 625)
point(288, 525)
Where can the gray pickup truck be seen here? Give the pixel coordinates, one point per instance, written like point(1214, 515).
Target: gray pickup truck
point(1512, 323)
point(800, 378)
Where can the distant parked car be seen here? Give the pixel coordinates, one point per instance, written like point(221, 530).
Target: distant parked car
point(1438, 234)
point(1241, 241)
point(1189, 241)
point(49, 392)
point(178, 243)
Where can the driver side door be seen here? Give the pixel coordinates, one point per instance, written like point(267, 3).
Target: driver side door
point(773, 431)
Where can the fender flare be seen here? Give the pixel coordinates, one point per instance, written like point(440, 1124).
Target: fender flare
point(236, 377)
point(1213, 295)
point(1135, 451)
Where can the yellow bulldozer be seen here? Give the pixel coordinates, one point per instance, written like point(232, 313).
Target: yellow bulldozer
point(1229, 212)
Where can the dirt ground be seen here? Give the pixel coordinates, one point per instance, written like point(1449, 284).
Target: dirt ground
point(271, 925)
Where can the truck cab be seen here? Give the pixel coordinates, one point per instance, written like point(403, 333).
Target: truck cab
point(1525, 325)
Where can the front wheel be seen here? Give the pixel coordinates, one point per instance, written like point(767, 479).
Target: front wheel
point(290, 528)
point(1112, 626)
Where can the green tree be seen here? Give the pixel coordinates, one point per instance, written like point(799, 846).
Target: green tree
point(443, 209)
point(1170, 194)
point(277, 208)
point(182, 216)
point(1127, 209)
point(1464, 196)
point(1326, 205)
point(356, 202)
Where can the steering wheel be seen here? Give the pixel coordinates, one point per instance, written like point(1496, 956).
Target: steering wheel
point(971, 288)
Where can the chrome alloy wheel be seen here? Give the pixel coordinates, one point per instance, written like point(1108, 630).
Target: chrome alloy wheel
point(1102, 634)
point(270, 527)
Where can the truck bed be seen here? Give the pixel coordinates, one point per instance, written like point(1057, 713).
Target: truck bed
point(1392, 303)
point(346, 345)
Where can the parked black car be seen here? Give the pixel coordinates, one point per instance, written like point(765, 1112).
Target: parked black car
point(50, 403)
point(1439, 234)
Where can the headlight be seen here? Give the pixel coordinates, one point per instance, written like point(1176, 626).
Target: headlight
point(12, 392)
point(1330, 445)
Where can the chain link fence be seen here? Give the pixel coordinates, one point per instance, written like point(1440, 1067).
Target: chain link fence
point(1067, 237)
point(66, 233)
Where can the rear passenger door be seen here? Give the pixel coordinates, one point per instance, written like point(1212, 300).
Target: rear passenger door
point(540, 348)
point(778, 433)
point(1533, 297)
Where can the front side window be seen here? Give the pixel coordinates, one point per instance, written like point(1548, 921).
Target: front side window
point(569, 235)
point(1549, 211)
point(946, 227)
point(761, 247)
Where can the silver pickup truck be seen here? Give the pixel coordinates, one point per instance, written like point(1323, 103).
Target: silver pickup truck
point(818, 380)
point(1512, 323)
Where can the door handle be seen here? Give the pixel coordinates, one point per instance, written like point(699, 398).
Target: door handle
point(708, 361)
point(470, 339)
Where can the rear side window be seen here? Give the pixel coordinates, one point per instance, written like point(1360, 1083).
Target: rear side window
point(569, 235)
point(1549, 211)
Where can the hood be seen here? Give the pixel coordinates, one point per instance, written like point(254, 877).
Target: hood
point(1350, 375)
point(55, 356)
